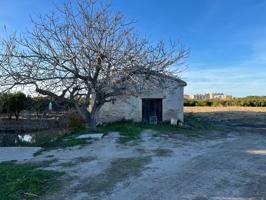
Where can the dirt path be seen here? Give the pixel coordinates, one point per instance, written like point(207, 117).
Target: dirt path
point(170, 168)
point(231, 170)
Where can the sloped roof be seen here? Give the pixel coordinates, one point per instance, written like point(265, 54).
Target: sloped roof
point(178, 80)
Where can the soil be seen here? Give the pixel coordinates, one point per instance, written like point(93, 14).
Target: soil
point(229, 166)
point(233, 167)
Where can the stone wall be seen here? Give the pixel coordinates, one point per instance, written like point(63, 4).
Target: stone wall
point(130, 107)
point(29, 124)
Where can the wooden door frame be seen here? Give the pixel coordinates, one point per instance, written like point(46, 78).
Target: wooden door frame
point(161, 104)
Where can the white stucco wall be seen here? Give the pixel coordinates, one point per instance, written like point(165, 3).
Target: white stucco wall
point(130, 107)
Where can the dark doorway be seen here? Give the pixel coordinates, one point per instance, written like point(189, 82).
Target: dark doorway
point(152, 110)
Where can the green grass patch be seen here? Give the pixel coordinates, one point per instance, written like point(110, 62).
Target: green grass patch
point(119, 170)
point(125, 128)
point(163, 152)
point(78, 161)
point(43, 164)
point(26, 181)
point(69, 139)
point(129, 130)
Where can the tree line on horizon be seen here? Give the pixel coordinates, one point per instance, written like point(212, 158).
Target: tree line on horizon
point(12, 104)
point(250, 101)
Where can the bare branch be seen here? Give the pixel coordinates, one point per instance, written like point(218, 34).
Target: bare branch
point(84, 50)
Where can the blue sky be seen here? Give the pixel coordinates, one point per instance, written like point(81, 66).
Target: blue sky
point(227, 38)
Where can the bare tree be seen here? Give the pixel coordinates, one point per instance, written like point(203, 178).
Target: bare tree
point(84, 51)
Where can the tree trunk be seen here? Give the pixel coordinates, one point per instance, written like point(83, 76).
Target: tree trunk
point(17, 115)
point(89, 117)
point(91, 122)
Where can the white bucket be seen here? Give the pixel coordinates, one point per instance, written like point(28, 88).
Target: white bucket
point(174, 121)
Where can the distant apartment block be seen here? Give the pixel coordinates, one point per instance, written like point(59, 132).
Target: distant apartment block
point(205, 96)
point(186, 96)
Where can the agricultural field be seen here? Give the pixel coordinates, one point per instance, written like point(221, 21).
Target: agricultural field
point(250, 110)
point(236, 116)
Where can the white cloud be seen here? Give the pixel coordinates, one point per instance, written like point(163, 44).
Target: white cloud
point(238, 80)
point(247, 77)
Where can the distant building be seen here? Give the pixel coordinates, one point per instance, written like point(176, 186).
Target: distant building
point(205, 96)
point(186, 96)
point(200, 96)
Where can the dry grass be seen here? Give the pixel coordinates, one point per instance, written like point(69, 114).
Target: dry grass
point(225, 109)
point(233, 116)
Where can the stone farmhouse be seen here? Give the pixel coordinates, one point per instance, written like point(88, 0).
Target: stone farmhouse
point(156, 104)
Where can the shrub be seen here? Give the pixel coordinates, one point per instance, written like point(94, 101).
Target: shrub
point(74, 120)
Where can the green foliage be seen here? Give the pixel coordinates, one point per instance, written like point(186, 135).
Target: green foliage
point(39, 104)
point(252, 101)
point(13, 103)
point(26, 181)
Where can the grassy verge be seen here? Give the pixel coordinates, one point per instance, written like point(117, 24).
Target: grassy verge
point(132, 130)
point(129, 130)
point(69, 139)
point(47, 139)
point(26, 181)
